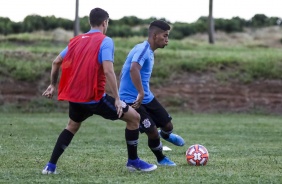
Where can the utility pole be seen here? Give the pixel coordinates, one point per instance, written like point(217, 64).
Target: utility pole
point(211, 23)
point(76, 21)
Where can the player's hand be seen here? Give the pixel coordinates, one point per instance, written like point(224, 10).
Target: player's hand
point(49, 92)
point(136, 104)
point(119, 107)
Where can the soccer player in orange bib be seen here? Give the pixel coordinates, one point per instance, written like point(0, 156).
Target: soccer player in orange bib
point(86, 65)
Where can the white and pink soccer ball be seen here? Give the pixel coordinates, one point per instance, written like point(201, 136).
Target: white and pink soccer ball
point(197, 155)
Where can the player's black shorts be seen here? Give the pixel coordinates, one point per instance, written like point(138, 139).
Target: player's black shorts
point(152, 114)
point(79, 112)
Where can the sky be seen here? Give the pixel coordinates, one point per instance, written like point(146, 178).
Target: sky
point(172, 10)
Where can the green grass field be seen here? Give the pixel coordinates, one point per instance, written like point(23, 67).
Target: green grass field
point(242, 148)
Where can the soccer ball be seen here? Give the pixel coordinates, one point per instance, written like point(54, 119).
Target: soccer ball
point(197, 155)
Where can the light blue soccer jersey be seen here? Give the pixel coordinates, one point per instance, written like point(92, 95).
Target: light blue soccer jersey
point(144, 56)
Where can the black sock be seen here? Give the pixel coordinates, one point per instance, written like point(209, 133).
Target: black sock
point(157, 148)
point(62, 143)
point(131, 137)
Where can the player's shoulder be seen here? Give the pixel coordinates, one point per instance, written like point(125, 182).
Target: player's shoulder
point(144, 46)
point(108, 39)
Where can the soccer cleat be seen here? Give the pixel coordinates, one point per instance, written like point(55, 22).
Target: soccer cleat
point(140, 165)
point(166, 162)
point(174, 139)
point(49, 169)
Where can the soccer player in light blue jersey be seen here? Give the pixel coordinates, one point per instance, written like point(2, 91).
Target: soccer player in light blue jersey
point(135, 90)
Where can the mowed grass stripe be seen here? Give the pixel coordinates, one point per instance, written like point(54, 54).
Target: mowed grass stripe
point(243, 149)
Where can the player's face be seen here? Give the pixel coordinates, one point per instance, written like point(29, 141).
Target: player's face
point(162, 39)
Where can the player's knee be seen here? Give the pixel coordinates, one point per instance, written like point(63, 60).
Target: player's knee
point(153, 134)
point(168, 127)
point(72, 126)
point(135, 116)
point(132, 118)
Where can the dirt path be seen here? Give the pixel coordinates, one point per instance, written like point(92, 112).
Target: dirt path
point(192, 93)
point(203, 93)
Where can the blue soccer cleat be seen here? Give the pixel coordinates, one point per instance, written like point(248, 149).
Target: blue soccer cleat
point(174, 139)
point(166, 162)
point(140, 165)
point(49, 169)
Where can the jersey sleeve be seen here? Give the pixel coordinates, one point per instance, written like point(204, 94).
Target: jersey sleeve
point(64, 52)
point(140, 56)
point(107, 50)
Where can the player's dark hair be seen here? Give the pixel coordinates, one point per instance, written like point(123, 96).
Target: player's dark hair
point(158, 26)
point(97, 16)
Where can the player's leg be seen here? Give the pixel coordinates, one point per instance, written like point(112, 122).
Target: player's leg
point(131, 117)
point(171, 137)
point(148, 126)
point(163, 120)
point(77, 115)
point(134, 163)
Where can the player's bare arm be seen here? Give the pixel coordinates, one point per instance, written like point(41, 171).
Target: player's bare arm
point(49, 92)
point(112, 83)
point(136, 79)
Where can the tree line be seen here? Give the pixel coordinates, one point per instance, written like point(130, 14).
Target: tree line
point(133, 26)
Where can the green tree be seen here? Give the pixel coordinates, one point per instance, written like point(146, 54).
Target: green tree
point(5, 26)
point(259, 20)
point(33, 23)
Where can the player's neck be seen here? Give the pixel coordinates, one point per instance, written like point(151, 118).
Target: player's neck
point(152, 45)
point(100, 28)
